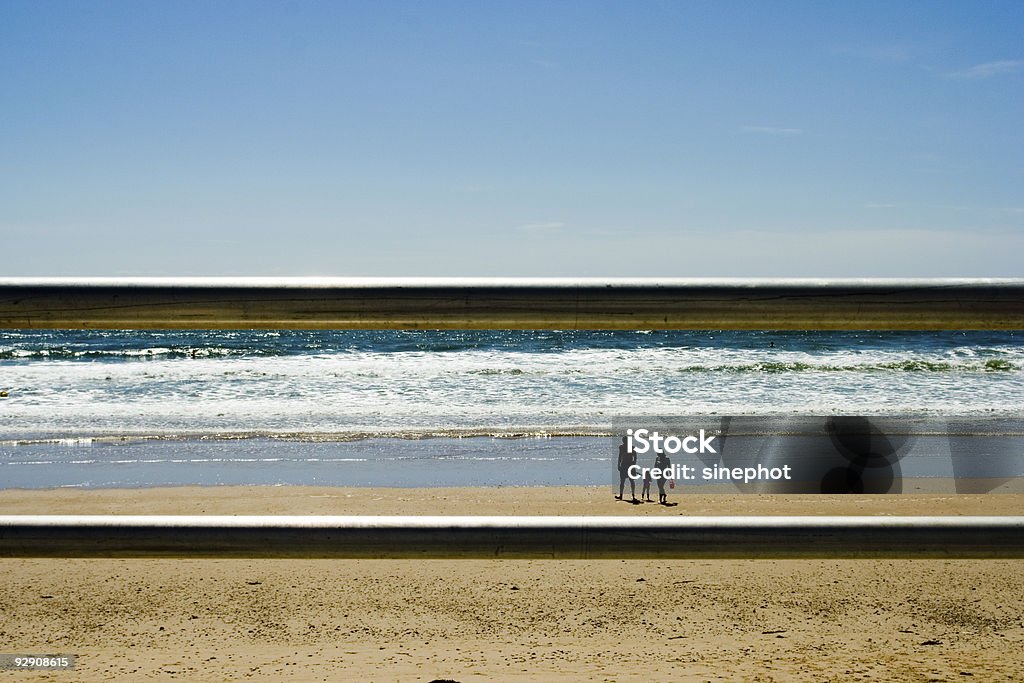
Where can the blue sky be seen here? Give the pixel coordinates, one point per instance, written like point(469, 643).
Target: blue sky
point(512, 138)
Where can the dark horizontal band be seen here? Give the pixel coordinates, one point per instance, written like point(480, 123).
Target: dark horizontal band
point(369, 303)
point(365, 537)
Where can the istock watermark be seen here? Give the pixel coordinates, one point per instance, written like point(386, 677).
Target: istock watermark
point(643, 440)
point(640, 441)
point(823, 454)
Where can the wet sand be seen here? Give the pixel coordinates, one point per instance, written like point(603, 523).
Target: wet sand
point(384, 620)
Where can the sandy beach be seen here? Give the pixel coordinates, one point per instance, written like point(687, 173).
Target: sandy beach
point(390, 620)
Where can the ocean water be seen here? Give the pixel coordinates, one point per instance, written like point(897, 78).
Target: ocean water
point(108, 408)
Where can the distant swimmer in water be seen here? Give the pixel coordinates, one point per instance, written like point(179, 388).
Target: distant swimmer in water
point(627, 459)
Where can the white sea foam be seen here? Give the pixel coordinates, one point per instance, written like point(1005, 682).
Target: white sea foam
point(499, 389)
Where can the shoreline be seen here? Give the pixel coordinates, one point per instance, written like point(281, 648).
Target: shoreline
point(903, 462)
point(925, 422)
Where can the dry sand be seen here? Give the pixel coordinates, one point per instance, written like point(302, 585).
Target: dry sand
point(391, 620)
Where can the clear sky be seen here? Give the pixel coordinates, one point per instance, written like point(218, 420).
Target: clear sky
point(512, 138)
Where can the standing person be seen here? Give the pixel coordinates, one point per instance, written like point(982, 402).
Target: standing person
point(645, 492)
point(627, 459)
point(662, 463)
